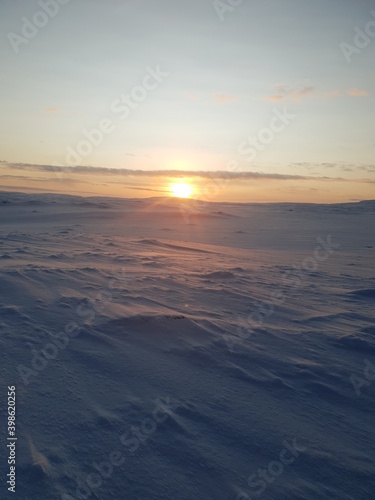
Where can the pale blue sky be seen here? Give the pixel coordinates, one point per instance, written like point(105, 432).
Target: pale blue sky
point(220, 88)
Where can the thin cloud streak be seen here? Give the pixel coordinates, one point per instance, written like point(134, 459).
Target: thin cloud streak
point(296, 95)
point(218, 174)
point(225, 98)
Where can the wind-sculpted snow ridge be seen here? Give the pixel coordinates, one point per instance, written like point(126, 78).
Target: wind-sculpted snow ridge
point(161, 244)
point(229, 359)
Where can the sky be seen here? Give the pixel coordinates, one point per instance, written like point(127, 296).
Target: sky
point(252, 100)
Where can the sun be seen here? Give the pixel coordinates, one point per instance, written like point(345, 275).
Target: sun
point(181, 190)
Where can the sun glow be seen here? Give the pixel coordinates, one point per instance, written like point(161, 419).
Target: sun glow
point(181, 190)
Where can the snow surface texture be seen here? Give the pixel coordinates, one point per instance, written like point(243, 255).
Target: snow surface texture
point(215, 351)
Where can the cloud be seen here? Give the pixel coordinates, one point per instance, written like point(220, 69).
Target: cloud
point(292, 94)
point(217, 174)
point(52, 110)
point(68, 180)
point(192, 97)
point(212, 175)
point(224, 98)
point(367, 168)
point(28, 189)
point(284, 93)
point(357, 93)
point(274, 98)
point(147, 189)
point(343, 167)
